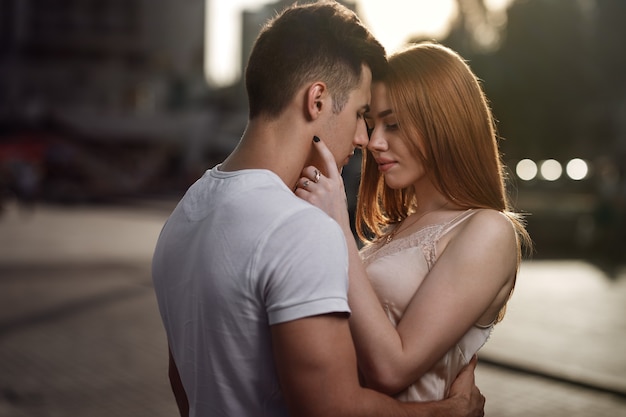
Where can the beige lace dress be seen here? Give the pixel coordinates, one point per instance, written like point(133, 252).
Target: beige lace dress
point(396, 270)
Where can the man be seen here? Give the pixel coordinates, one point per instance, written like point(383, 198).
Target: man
point(252, 281)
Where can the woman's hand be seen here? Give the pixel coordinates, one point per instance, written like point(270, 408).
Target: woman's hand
point(325, 192)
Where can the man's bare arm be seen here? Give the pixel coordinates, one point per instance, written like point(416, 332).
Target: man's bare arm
point(316, 364)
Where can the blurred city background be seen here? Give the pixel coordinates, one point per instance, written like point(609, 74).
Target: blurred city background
point(110, 109)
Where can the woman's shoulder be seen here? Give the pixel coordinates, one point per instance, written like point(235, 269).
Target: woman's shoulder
point(487, 237)
point(490, 223)
point(491, 216)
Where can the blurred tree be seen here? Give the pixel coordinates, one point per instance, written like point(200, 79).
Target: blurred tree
point(607, 107)
point(477, 28)
point(544, 78)
point(554, 73)
point(556, 78)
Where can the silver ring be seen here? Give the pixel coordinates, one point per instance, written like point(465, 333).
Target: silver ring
point(317, 176)
point(305, 183)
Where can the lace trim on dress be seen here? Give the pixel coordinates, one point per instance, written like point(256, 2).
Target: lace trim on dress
point(425, 238)
point(420, 238)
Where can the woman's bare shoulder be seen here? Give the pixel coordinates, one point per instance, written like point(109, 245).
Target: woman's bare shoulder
point(490, 227)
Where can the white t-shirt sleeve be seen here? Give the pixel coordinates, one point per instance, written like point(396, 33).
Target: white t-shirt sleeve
point(303, 265)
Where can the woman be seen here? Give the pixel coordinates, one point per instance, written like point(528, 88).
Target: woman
point(442, 245)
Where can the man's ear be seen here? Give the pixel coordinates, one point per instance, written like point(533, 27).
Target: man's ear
point(316, 99)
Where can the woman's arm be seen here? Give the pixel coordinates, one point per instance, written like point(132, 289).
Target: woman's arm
point(471, 278)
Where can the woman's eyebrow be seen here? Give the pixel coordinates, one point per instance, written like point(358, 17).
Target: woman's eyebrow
point(380, 114)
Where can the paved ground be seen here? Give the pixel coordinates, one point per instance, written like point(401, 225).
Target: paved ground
point(80, 333)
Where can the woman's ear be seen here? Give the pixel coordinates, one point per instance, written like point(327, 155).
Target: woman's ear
point(316, 97)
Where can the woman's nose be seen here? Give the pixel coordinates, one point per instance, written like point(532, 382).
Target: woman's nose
point(377, 141)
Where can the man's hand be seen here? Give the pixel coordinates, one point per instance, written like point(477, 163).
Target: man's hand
point(466, 394)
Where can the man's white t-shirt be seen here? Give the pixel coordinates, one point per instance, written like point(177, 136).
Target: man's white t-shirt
point(240, 253)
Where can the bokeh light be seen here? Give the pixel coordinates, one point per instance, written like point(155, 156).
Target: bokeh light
point(550, 169)
point(526, 169)
point(577, 169)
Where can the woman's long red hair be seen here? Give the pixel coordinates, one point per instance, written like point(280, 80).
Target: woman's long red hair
point(440, 103)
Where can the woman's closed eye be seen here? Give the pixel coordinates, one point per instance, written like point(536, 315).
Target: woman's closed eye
point(392, 126)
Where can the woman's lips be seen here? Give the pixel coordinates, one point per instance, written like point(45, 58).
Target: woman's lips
point(385, 165)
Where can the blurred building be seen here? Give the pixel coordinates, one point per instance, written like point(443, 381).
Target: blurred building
point(101, 54)
point(100, 75)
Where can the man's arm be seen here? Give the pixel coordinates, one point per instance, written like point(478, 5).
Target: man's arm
point(316, 364)
point(177, 387)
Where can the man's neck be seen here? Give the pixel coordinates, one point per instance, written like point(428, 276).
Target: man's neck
point(265, 146)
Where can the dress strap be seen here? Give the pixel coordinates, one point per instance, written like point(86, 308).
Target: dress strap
point(457, 220)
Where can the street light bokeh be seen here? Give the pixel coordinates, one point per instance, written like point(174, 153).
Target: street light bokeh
point(550, 169)
point(577, 169)
point(526, 169)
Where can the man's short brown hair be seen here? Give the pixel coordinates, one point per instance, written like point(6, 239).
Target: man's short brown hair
point(304, 43)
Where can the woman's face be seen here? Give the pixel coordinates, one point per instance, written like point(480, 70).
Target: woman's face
point(399, 166)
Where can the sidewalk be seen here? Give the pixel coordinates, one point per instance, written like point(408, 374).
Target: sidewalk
point(566, 319)
point(80, 332)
